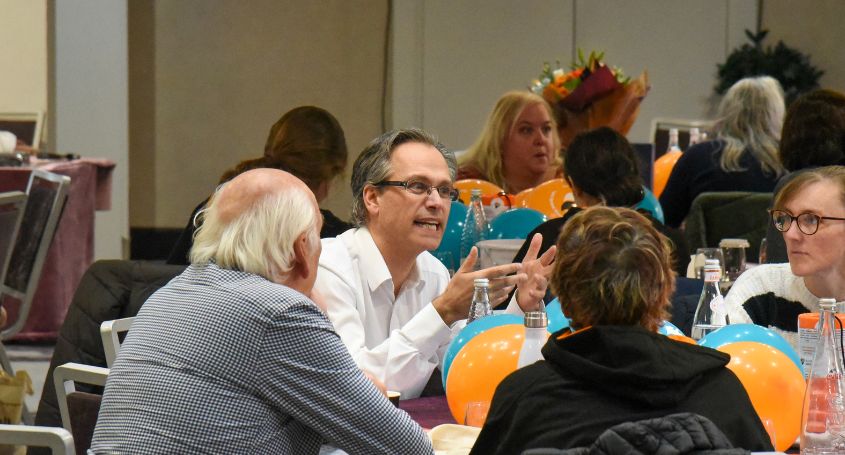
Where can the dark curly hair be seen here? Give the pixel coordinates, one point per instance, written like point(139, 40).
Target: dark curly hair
point(814, 131)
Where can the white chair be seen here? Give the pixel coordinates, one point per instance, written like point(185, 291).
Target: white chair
point(112, 333)
point(46, 197)
point(85, 406)
point(58, 440)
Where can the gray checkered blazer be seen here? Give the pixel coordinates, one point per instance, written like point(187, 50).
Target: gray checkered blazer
point(225, 362)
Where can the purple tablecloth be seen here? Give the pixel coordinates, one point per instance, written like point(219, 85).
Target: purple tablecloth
point(428, 412)
point(72, 250)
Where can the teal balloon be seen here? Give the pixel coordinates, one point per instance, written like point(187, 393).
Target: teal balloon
point(667, 328)
point(557, 320)
point(469, 332)
point(515, 223)
point(449, 250)
point(750, 332)
point(652, 205)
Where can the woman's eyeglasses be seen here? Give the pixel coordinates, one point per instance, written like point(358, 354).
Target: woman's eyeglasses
point(808, 223)
point(419, 188)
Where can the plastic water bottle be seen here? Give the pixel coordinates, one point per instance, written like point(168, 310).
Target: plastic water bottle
point(535, 337)
point(694, 137)
point(480, 306)
point(710, 314)
point(823, 415)
point(476, 226)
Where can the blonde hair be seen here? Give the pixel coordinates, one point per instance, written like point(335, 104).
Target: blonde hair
point(613, 268)
point(261, 239)
point(486, 153)
point(750, 118)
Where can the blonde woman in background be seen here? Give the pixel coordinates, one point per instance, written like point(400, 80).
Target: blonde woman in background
point(743, 157)
point(519, 146)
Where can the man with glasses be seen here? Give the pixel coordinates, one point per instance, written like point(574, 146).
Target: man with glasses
point(393, 303)
point(809, 212)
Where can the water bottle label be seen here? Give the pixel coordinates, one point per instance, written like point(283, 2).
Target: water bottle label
point(711, 276)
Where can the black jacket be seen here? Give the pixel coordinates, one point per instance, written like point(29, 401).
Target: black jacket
point(603, 376)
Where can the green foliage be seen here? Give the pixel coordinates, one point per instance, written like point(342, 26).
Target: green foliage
point(790, 67)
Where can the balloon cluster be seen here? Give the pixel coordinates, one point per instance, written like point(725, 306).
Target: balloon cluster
point(487, 350)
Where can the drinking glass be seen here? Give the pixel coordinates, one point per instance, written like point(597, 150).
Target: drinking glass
point(476, 413)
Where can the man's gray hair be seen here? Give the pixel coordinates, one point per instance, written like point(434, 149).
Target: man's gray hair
point(373, 164)
point(260, 240)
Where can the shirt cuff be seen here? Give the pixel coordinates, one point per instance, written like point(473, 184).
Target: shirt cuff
point(426, 330)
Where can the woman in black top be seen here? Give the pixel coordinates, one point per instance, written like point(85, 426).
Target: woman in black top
point(309, 143)
point(601, 167)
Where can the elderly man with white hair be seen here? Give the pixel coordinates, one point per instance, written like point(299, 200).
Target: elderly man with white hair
point(232, 356)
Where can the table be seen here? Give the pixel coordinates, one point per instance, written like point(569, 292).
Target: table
point(72, 250)
point(428, 412)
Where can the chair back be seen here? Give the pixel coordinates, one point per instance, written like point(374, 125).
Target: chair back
point(79, 409)
point(47, 193)
point(112, 333)
point(58, 440)
point(12, 205)
point(734, 214)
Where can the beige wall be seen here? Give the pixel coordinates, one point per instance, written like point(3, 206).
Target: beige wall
point(221, 72)
point(23, 55)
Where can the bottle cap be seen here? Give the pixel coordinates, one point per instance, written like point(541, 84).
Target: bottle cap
point(536, 320)
point(734, 243)
point(712, 264)
point(475, 192)
point(483, 282)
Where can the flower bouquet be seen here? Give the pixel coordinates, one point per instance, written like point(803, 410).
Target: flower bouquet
point(592, 94)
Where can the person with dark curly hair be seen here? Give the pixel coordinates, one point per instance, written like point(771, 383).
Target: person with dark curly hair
point(813, 136)
point(613, 276)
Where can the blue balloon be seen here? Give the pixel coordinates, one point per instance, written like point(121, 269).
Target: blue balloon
point(449, 250)
point(750, 332)
point(667, 328)
point(469, 332)
point(652, 205)
point(557, 320)
point(515, 223)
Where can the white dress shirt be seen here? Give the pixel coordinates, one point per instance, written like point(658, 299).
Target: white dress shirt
point(399, 340)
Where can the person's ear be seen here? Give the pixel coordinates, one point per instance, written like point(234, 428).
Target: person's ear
point(371, 200)
point(301, 266)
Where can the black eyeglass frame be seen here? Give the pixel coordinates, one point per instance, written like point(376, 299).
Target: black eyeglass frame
point(445, 192)
point(775, 213)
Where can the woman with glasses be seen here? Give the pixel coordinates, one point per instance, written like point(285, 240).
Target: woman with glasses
point(810, 214)
point(518, 148)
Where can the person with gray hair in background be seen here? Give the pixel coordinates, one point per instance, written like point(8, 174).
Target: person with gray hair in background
point(233, 356)
point(393, 303)
point(743, 157)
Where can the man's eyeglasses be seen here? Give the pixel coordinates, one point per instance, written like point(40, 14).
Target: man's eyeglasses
point(419, 188)
point(808, 223)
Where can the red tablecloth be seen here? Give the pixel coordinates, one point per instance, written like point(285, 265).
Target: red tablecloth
point(72, 250)
point(428, 412)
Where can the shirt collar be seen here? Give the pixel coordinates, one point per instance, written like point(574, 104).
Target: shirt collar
point(376, 269)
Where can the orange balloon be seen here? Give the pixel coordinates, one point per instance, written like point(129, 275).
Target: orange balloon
point(466, 186)
point(775, 385)
point(481, 365)
point(547, 198)
point(682, 339)
point(662, 169)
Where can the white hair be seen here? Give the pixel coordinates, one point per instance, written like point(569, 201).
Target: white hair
point(260, 240)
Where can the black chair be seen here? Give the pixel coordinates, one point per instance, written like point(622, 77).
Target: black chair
point(720, 215)
point(12, 206)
